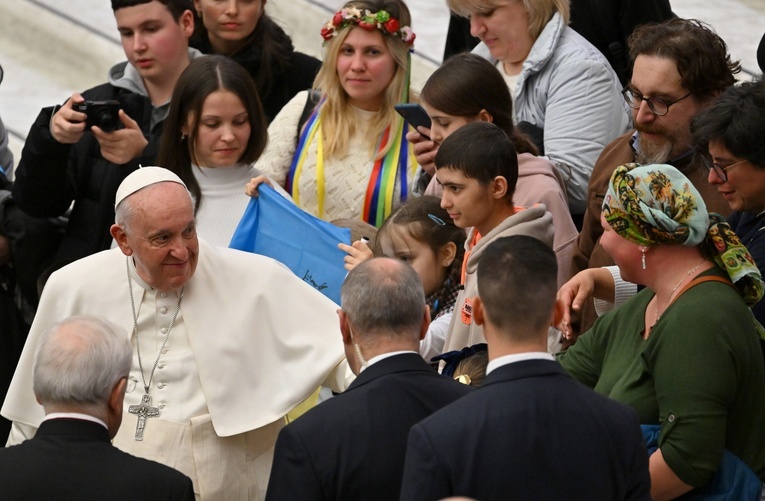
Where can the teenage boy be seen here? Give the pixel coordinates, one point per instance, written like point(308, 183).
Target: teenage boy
point(63, 161)
point(478, 167)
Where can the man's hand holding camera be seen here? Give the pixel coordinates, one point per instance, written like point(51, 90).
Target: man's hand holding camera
point(122, 145)
point(68, 125)
point(103, 118)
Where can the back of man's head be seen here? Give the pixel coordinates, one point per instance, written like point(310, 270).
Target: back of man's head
point(383, 299)
point(700, 55)
point(737, 121)
point(517, 285)
point(481, 151)
point(176, 7)
point(78, 363)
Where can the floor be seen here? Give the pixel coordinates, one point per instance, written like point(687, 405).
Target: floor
point(50, 48)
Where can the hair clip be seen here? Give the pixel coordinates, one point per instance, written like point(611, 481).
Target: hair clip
point(437, 220)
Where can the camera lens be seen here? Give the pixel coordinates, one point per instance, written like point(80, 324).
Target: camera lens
point(105, 120)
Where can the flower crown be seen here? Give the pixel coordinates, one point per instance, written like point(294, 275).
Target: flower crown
point(380, 20)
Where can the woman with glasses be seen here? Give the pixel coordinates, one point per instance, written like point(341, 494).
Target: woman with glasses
point(684, 352)
point(563, 88)
point(733, 130)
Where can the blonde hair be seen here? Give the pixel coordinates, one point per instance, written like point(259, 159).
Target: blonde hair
point(471, 370)
point(540, 11)
point(336, 115)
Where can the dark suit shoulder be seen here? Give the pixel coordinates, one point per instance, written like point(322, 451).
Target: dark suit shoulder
point(526, 387)
point(404, 379)
point(353, 446)
point(71, 461)
point(536, 422)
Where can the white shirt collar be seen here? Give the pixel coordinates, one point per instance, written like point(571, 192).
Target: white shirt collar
point(518, 357)
point(74, 415)
point(383, 356)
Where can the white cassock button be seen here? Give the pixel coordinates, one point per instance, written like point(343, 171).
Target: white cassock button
point(162, 405)
point(160, 366)
point(163, 294)
point(163, 330)
point(160, 385)
point(163, 310)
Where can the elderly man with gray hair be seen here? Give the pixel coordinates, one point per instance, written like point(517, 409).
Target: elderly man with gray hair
point(80, 372)
point(382, 320)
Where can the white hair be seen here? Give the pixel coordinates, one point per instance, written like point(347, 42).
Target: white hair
point(79, 360)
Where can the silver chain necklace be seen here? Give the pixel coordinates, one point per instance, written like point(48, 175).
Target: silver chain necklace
point(145, 409)
point(669, 301)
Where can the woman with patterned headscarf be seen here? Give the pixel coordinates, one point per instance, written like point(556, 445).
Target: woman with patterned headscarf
point(684, 352)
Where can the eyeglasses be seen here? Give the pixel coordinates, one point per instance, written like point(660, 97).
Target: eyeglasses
point(721, 170)
point(658, 107)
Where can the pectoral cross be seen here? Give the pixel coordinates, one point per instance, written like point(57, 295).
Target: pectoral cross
point(143, 411)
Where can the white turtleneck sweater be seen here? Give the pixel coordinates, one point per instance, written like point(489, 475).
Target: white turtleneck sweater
point(223, 200)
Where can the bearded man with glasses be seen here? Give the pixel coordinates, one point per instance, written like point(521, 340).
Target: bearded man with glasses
point(679, 68)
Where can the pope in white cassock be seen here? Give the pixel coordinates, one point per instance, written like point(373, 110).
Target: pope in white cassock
point(226, 342)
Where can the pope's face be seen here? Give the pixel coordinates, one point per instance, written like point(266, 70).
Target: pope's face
point(161, 236)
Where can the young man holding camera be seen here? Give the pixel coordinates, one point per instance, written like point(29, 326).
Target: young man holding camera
point(66, 160)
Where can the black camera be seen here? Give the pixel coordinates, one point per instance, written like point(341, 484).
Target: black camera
point(104, 114)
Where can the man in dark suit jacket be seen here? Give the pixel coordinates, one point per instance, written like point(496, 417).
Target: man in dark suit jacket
point(530, 431)
point(352, 446)
point(80, 373)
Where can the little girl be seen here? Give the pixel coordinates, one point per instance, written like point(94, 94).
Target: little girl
point(422, 234)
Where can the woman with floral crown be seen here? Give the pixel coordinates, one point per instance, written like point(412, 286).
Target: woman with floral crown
point(349, 158)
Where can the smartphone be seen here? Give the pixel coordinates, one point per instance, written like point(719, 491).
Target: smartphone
point(414, 114)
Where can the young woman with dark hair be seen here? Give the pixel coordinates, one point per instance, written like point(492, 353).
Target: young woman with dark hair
point(213, 133)
point(241, 30)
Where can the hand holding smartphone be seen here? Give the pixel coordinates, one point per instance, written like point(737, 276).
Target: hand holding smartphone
point(415, 115)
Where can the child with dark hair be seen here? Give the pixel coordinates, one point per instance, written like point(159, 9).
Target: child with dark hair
point(421, 234)
point(468, 88)
point(477, 166)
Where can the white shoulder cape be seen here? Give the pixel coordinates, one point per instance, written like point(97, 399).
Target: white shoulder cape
point(263, 339)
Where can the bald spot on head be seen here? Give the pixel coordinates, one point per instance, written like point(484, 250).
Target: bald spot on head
point(384, 296)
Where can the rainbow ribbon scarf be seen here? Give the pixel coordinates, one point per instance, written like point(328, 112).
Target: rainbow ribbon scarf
point(380, 192)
